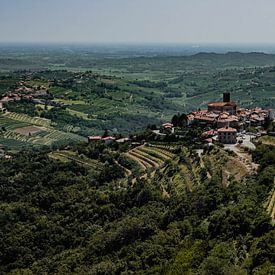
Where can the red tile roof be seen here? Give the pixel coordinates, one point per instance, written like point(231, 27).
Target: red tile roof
point(205, 118)
point(209, 133)
point(108, 138)
point(227, 129)
point(221, 104)
point(94, 137)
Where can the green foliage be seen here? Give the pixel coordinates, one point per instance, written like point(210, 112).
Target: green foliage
point(188, 258)
point(64, 218)
point(132, 92)
point(22, 106)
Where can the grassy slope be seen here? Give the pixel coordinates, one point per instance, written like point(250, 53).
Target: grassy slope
point(269, 140)
point(223, 165)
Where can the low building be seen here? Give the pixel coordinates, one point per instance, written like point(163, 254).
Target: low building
point(230, 120)
point(209, 134)
point(94, 138)
point(107, 140)
point(166, 128)
point(229, 107)
point(204, 120)
point(123, 140)
point(227, 135)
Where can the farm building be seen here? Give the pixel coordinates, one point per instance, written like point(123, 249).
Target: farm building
point(166, 128)
point(94, 138)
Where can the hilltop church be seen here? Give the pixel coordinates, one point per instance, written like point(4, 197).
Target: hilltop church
point(226, 106)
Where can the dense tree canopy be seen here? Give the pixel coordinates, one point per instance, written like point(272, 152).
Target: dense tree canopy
point(61, 218)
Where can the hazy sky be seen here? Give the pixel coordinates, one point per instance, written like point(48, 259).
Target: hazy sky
point(172, 21)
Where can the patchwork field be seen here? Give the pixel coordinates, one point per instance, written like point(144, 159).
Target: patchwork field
point(11, 124)
point(27, 119)
point(29, 130)
point(19, 131)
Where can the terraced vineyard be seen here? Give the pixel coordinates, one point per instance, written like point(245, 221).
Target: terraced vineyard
point(66, 156)
point(150, 157)
point(11, 124)
point(16, 136)
point(55, 135)
point(167, 151)
point(27, 119)
point(166, 148)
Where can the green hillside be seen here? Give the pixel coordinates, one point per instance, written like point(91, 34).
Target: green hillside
point(125, 94)
point(150, 209)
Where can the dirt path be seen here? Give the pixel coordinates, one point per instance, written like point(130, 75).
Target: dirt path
point(271, 207)
point(203, 166)
point(246, 160)
point(199, 152)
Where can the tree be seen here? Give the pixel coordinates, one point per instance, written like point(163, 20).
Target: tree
point(106, 133)
point(175, 120)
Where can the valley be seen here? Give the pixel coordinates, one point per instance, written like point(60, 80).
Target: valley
point(112, 165)
point(134, 93)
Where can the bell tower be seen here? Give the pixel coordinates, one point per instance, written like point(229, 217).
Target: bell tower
point(226, 97)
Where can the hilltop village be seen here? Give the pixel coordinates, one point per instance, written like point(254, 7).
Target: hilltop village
point(34, 94)
point(224, 121)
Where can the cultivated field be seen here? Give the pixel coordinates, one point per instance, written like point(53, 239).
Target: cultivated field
point(29, 130)
point(19, 130)
point(150, 157)
point(66, 156)
point(27, 119)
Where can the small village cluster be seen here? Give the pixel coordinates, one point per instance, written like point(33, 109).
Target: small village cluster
point(224, 120)
point(36, 95)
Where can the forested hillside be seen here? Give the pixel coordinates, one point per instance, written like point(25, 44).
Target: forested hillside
point(70, 215)
point(152, 203)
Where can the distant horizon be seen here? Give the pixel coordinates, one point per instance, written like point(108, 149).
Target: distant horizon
point(149, 47)
point(142, 43)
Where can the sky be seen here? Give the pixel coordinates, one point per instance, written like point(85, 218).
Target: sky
point(138, 21)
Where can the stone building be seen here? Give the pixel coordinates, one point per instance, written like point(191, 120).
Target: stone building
point(226, 106)
point(227, 135)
